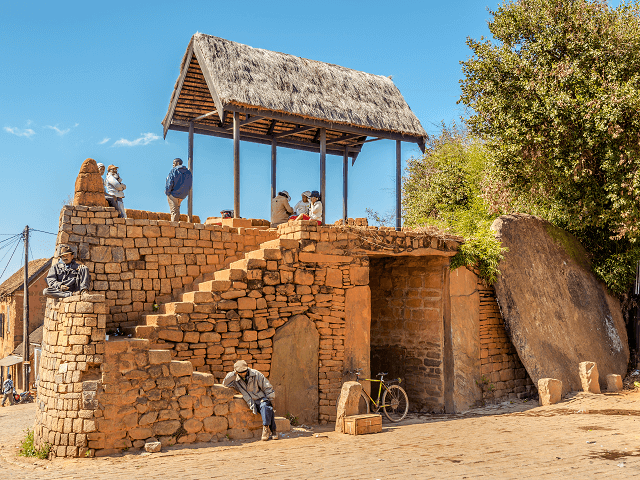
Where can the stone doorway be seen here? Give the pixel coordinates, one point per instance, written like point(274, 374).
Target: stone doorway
point(294, 369)
point(408, 304)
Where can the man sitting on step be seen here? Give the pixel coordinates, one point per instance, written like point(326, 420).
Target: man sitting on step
point(67, 276)
point(257, 392)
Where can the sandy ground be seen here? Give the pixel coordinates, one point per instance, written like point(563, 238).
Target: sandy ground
point(585, 436)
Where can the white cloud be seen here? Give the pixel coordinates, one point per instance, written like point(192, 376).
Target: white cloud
point(145, 139)
point(59, 131)
point(104, 140)
point(25, 132)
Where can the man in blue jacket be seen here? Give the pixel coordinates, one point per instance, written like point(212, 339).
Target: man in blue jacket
point(179, 183)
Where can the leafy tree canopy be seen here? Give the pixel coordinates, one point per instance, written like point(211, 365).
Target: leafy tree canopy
point(556, 97)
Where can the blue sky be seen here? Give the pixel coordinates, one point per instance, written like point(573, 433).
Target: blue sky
point(94, 79)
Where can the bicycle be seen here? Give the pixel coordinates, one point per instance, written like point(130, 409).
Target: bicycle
point(394, 404)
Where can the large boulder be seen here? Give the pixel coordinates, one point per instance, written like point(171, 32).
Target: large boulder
point(89, 189)
point(557, 313)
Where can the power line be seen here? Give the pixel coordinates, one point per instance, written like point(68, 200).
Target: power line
point(10, 258)
point(42, 231)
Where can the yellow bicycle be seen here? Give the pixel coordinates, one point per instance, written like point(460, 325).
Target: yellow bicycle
point(394, 404)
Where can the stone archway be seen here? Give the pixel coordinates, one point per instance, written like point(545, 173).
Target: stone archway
point(294, 369)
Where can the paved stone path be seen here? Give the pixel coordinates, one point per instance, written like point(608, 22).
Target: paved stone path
point(585, 437)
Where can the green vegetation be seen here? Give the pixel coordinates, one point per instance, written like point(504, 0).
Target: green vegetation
point(555, 97)
point(28, 449)
point(293, 420)
point(445, 188)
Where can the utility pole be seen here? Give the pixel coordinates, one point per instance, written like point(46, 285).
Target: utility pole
point(25, 314)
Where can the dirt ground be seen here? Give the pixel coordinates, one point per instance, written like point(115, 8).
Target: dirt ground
point(585, 436)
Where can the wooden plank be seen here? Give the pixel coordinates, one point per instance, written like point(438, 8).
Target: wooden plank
point(345, 183)
point(323, 171)
point(247, 121)
point(398, 184)
point(190, 205)
point(236, 165)
point(209, 80)
point(292, 132)
point(174, 101)
point(205, 116)
point(344, 138)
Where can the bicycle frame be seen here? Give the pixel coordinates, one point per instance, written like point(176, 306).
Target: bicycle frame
point(376, 403)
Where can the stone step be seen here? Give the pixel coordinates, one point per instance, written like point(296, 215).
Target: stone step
point(197, 297)
point(287, 243)
point(232, 274)
point(161, 320)
point(265, 254)
point(143, 331)
point(176, 307)
point(215, 286)
point(249, 264)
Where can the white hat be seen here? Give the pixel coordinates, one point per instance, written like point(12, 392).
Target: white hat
point(306, 193)
point(286, 193)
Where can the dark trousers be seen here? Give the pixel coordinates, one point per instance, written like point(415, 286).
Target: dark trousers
point(268, 418)
point(12, 400)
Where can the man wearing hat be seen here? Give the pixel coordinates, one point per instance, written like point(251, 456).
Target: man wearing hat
point(67, 276)
point(177, 187)
point(114, 190)
point(280, 208)
point(257, 392)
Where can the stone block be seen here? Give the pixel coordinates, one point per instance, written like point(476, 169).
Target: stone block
point(347, 403)
point(140, 433)
point(168, 427)
point(303, 277)
point(215, 425)
point(192, 425)
point(283, 424)
point(157, 357)
point(359, 275)
point(549, 391)
point(589, 377)
point(614, 382)
point(153, 447)
point(170, 335)
point(181, 368)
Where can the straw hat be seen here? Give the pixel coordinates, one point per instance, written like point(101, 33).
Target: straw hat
point(240, 366)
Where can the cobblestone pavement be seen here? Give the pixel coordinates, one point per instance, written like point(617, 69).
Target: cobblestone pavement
point(587, 436)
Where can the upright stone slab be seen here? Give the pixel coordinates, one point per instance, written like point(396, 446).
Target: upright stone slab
point(357, 341)
point(294, 369)
point(347, 403)
point(556, 311)
point(614, 383)
point(589, 377)
point(549, 391)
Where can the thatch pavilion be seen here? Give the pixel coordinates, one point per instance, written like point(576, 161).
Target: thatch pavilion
point(230, 90)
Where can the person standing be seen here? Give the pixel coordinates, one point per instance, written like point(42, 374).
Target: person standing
point(179, 182)
point(280, 208)
point(7, 389)
point(114, 190)
point(257, 392)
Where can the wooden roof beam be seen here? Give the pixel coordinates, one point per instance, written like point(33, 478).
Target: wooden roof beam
point(271, 127)
point(344, 138)
point(293, 132)
point(174, 102)
point(247, 121)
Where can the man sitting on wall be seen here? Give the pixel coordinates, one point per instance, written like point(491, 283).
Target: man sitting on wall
point(67, 276)
point(257, 392)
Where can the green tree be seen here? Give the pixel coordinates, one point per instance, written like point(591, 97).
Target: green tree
point(445, 188)
point(556, 95)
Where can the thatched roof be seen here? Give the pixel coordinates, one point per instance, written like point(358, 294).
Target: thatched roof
point(220, 76)
point(16, 281)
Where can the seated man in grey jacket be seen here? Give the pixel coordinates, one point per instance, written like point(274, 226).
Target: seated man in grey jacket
point(257, 392)
point(66, 276)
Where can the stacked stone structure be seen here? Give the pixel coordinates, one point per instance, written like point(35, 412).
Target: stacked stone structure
point(89, 189)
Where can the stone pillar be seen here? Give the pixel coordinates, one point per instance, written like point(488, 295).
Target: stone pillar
point(347, 403)
point(589, 377)
point(614, 383)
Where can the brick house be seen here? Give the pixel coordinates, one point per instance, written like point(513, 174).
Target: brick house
point(11, 314)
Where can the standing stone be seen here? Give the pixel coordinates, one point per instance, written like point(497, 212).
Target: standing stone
point(347, 403)
point(556, 311)
point(549, 391)
point(294, 369)
point(89, 189)
point(589, 377)
point(614, 383)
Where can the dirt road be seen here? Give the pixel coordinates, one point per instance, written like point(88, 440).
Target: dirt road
point(587, 436)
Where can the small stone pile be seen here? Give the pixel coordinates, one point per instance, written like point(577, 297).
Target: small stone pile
point(89, 189)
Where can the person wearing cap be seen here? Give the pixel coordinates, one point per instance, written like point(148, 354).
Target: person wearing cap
point(280, 208)
point(67, 276)
point(114, 190)
point(302, 207)
point(178, 186)
point(315, 208)
point(257, 392)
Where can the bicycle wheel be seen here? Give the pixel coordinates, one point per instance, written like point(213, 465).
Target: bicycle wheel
point(363, 404)
point(395, 403)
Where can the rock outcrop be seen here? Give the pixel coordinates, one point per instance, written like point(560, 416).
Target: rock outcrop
point(557, 313)
point(89, 189)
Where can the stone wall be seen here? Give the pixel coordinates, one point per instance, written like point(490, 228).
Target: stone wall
point(407, 314)
point(505, 376)
point(137, 263)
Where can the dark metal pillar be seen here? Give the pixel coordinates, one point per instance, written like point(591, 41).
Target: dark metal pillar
point(190, 162)
point(274, 148)
point(236, 165)
point(323, 171)
point(398, 184)
point(345, 183)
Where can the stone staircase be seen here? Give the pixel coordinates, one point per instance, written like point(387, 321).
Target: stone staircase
point(225, 316)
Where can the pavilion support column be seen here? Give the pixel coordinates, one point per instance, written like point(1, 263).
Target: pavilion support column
point(190, 164)
point(236, 165)
point(274, 148)
point(345, 183)
point(398, 184)
point(323, 171)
